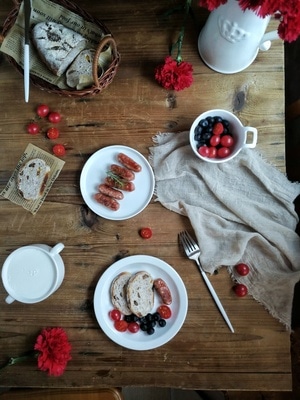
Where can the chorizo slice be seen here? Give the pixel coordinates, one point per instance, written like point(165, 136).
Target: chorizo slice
point(163, 291)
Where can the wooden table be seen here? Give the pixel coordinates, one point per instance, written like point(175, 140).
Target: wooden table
point(204, 354)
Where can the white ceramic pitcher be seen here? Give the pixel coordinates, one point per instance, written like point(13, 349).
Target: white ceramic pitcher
point(231, 38)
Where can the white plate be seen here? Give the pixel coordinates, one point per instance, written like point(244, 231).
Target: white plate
point(158, 269)
point(94, 173)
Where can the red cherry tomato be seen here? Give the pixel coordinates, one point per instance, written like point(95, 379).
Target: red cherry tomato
point(115, 315)
point(59, 150)
point(240, 290)
point(121, 325)
point(164, 311)
point(133, 327)
point(212, 151)
point(242, 269)
point(223, 152)
point(33, 128)
point(42, 110)
point(227, 141)
point(215, 140)
point(53, 133)
point(146, 233)
point(204, 151)
point(54, 117)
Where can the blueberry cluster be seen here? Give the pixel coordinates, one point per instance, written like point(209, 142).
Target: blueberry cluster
point(148, 322)
point(204, 130)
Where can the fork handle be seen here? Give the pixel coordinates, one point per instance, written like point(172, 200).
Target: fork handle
point(214, 296)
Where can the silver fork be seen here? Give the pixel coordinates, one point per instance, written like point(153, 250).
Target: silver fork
point(192, 250)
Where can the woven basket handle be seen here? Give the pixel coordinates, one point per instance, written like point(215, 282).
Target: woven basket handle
point(105, 40)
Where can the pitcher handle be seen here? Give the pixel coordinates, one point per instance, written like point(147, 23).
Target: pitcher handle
point(265, 43)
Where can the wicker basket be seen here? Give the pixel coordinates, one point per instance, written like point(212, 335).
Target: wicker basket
point(100, 82)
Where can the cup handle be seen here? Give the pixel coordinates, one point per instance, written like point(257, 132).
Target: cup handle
point(252, 144)
point(9, 299)
point(57, 249)
point(265, 43)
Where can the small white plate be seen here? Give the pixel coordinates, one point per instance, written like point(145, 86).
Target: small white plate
point(95, 171)
point(158, 269)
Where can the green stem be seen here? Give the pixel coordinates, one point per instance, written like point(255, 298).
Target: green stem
point(17, 360)
point(179, 41)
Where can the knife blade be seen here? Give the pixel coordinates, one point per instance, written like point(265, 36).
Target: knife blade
point(27, 14)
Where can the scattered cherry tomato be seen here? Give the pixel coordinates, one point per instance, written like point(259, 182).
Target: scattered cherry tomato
point(42, 110)
point(240, 290)
point(54, 117)
point(164, 311)
point(242, 269)
point(133, 327)
point(121, 325)
point(227, 141)
point(115, 315)
point(53, 133)
point(59, 150)
point(33, 128)
point(146, 233)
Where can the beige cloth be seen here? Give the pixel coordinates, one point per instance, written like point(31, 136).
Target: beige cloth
point(241, 211)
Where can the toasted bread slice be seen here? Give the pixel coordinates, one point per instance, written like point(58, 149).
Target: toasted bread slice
point(118, 293)
point(32, 178)
point(140, 294)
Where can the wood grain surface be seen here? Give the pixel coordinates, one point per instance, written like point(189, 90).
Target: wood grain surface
point(204, 354)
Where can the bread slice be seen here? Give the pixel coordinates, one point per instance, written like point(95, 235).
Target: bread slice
point(57, 45)
point(118, 292)
point(80, 73)
point(32, 178)
point(140, 293)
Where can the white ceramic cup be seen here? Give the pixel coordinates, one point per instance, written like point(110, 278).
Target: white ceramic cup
point(32, 273)
point(244, 136)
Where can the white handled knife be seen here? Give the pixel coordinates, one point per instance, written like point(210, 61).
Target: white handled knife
point(27, 13)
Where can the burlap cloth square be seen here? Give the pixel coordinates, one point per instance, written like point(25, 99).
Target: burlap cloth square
point(241, 211)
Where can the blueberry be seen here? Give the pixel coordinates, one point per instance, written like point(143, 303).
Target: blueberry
point(203, 123)
point(162, 323)
point(150, 331)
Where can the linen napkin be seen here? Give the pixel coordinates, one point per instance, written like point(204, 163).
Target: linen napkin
point(241, 211)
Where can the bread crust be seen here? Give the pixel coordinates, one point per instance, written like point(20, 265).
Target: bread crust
point(118, 292)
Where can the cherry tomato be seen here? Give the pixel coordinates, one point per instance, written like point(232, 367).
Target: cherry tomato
point(227, 141)
point(146, 233)
point(33, 128)
point(121, 325)
point(54, 117)
point(133, 327)
point(42, 110)
point(212, 151)
point(164, 311)
point(215, 140)
point(203, 151)
point(223, 152)
point(240, 290)
point(242, 269)
point(53, 133)
point(115, 315)
point(59, 150)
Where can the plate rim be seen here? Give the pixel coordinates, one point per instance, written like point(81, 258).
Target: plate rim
point(118, 267)
point(83, 175)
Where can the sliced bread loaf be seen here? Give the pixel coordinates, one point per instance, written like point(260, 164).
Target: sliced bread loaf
point(118, 292)
point(32, 178)
point(80, 73)
point(140, 294)
point(57, 45)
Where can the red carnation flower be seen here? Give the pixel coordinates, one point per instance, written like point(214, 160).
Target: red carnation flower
point(54, 350)
point(173, 75)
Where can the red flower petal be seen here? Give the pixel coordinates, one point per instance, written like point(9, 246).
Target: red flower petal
point(173, 75)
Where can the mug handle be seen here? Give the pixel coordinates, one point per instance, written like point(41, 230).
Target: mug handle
point(252, 144)
point(57, 249)
point(9, 299)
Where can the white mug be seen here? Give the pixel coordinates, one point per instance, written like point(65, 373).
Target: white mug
point(32, 273)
